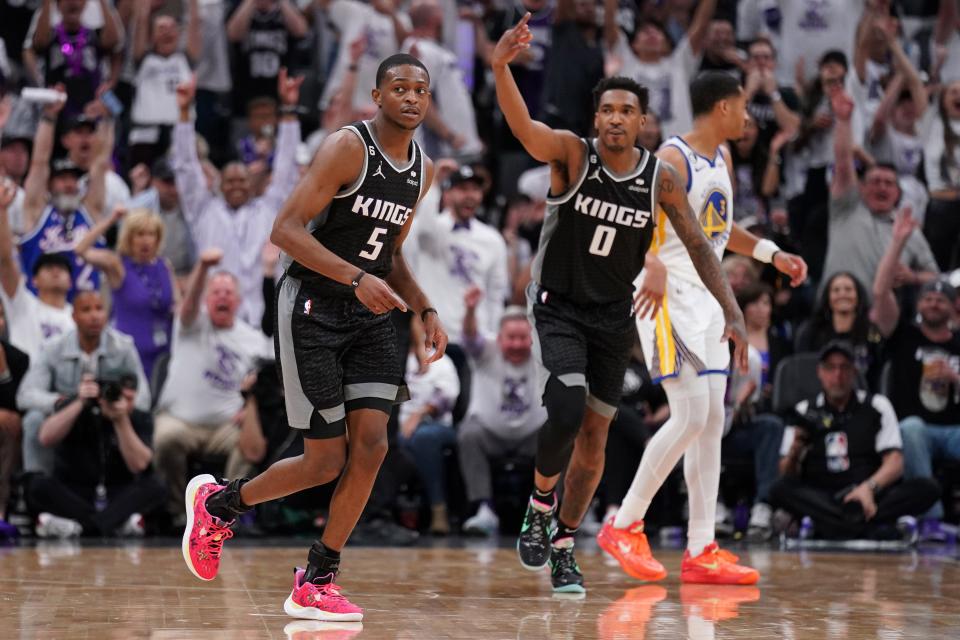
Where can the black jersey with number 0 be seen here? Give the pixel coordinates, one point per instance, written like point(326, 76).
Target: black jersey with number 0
point(596, 235)
point(365, 218)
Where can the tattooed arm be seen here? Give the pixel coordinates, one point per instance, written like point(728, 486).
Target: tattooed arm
point(672, 198)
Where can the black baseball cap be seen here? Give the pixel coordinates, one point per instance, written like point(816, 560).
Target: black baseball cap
point(162, 170)
point(53, 260)
point(12, 138)
point(65, 165)
point(940, 286)
point(842, 347)
point(79, 121)
point(465, 174)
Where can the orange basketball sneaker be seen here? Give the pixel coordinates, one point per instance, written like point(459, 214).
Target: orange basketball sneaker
point(631, 549)
point(716, 566)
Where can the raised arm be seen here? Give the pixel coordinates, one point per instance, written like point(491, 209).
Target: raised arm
point(35, 186)
point(844, 173)
point(96, 197)
point(540, 141)
point(104, 259)
point(946, 21)
point(9, 267)
point(337, 163)
point(672, 198)
point(293, 20)
point(885, 311)
point(190, 307)
point(43, 34)
point(111, 36)
point(194, 45)
point(188, 173)
point(611, 30)
point(285, 171)
point(239, 23)
point(697, 31)
point(141, 30)
point(389, 9)
point(402, 281)
point(904, 67)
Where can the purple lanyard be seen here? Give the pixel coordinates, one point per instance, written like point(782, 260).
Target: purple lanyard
point(73, 51)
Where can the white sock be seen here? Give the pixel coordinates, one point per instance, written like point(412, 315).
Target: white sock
point(701, 471)
point(689, 399)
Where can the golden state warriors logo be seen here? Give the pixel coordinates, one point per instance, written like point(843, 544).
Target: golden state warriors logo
point(713, 218)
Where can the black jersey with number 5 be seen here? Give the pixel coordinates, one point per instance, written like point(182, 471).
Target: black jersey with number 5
point(596, 235)
point(362, 223)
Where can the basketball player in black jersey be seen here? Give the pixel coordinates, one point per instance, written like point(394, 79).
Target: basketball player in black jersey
point(598, 227)
point(341, 231)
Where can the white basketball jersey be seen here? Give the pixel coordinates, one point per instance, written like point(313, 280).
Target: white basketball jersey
point(710, 194)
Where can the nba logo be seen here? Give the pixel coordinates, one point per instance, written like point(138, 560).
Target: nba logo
point(837, 451)
point(306, 306)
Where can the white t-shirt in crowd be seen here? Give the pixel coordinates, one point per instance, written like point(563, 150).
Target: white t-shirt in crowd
point(156, 84)
point(207, 366)
point(801, 28)
point(505, 397)
point(32, 323)
point(450, 97)
point(668, 82)
point(449, 258)
point(439, 386)
point(351, 18)
point(118, 193)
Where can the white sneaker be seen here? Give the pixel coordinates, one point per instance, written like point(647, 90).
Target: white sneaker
point(51, 526)
point(761, 521)
point(133, 527)
point(483, 522)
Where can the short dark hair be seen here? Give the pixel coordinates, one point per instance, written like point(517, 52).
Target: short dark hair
point(709, 88)
point(398, 60)
point(836, 56)
point(624, 84)
point(753, 292)
point(52, 260)
point(763, 40)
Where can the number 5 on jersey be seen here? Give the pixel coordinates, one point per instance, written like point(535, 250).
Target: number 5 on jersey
point(602, 241)
point(376, 245)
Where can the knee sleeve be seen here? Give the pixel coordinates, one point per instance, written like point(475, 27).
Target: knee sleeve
point(565, 407)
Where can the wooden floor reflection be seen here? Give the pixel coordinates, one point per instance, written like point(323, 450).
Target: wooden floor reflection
point(61, 591)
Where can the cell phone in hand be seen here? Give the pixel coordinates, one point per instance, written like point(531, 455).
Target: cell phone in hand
point(112, 103)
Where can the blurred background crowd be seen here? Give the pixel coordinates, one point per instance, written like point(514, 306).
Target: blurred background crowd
point(137, 273)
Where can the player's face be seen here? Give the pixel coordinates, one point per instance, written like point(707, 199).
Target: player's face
point(733, 116)
point(89, 313)
point(618, 119)
point(934, 308)
point(515, 340)
point(880, 190)
point(404, 96)
point(843, 294)
point(222, 300)
point(837, 375)
point(53, 279)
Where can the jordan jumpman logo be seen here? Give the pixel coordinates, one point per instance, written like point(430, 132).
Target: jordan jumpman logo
point(379, 171)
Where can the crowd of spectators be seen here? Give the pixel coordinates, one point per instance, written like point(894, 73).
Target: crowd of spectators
point(137, 276)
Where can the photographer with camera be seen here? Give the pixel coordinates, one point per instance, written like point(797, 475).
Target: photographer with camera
point(102, 481)
point(54, 385)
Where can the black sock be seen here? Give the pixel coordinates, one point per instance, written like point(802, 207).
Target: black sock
point(548, 497)
point(564, 531)
point(227, 504)
point(323, 564)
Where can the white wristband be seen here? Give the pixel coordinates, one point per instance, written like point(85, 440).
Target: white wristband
point(764, 250)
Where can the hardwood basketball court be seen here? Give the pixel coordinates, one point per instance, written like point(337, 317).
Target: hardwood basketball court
point(65, 590)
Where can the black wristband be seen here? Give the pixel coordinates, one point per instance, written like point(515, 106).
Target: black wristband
point(423, 314)
point(356, 279)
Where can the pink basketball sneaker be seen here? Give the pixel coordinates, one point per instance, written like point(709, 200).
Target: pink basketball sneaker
point(204, 534)
point(319, 602)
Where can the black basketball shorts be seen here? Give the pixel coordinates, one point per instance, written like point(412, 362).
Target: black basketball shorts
point(582, 345)
point(334, 356)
